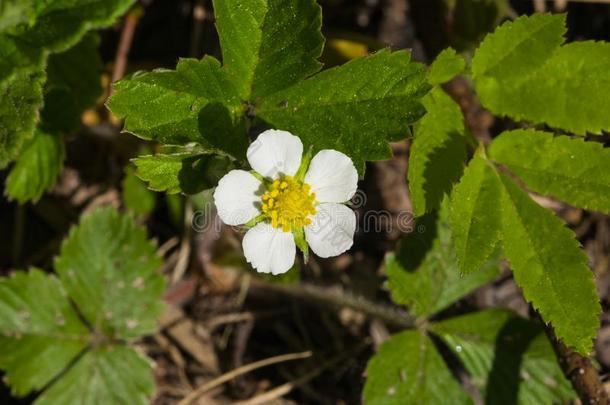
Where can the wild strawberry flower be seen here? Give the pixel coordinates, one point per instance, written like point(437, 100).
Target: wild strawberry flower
point(289, 200)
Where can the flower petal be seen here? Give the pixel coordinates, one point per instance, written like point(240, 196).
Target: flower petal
point(275, 152)
point(332, 176)
point(332, 229)
point(269, 249)
point(237, 196)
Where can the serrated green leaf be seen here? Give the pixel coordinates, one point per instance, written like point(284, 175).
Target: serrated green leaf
point(37, 168)
point(137, 198)
point(109, 269)
point(104, 375)
point(40, 333)
point(550, 268)
point(182, 172)
point(522, 72)
point(406, 370)
point(424, 273)
point(475, 223)
point(268, 45)
point(571, 169)
point(20, 98)
point(437, 153)
point(445, 67)
point(356, 108)
point(194, 103)
point(509, 358)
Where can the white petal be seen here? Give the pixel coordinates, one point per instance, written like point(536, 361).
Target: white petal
point(269, 249)
point(332, 176)
point(275, 152)
point(237, 197)
point(332, 229)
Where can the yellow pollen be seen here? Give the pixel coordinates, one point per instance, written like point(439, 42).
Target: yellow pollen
point(289, 204)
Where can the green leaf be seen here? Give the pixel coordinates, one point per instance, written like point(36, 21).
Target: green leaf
point(20, 98)
point(40, 333)
point(475, 223)
point(24, 49)
point(194, 103)
point(268, 45)
point(437, 153)
point(522, 72)
point(571, 169)
point(104, 375)
point(356, 108)
point(550, 267)
point(182, 172)
point(137, 198)
point(59, 25)
point(37, 168)
point(407, 369)
point(445, 67)
point(109, 269)
point(424, 275)
point(472, 19)
point(14, 13)
point(509, 358)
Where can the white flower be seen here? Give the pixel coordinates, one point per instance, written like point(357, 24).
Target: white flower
point(289, 200)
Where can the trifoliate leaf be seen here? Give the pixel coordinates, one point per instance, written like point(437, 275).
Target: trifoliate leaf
point(356, 108)
point(40, 333)
point(437, 153)
point(20, 98)
point(109, 269)
point(194, 103)
point(509, 358)
point(570, 169)
point(407, 370)
point(550, 268)
point(268, 45)
point(539, 81)
point(137, 198)
point(37, 168)
point(475, 222)
point(182, 172)
point(445, 67)
point(424, 275)
point(104, 375)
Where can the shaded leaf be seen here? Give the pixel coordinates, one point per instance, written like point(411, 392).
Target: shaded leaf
point(268, 45)
point(407, 369)
point(104, 375)
point(424, 274)
point(570, 169)
point(445, 67)
point(550, 268)
point(508, 357)
point(472, 19)
point(40, 333)
point(437, 153)
point(37, 168)
point(182, 172)
point(109, 269)
point(356, 108)
point(475, 222)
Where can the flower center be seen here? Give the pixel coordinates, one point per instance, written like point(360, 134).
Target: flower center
point(289, 204)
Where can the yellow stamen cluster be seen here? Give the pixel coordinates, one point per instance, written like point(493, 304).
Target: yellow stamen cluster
point(289, 203)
